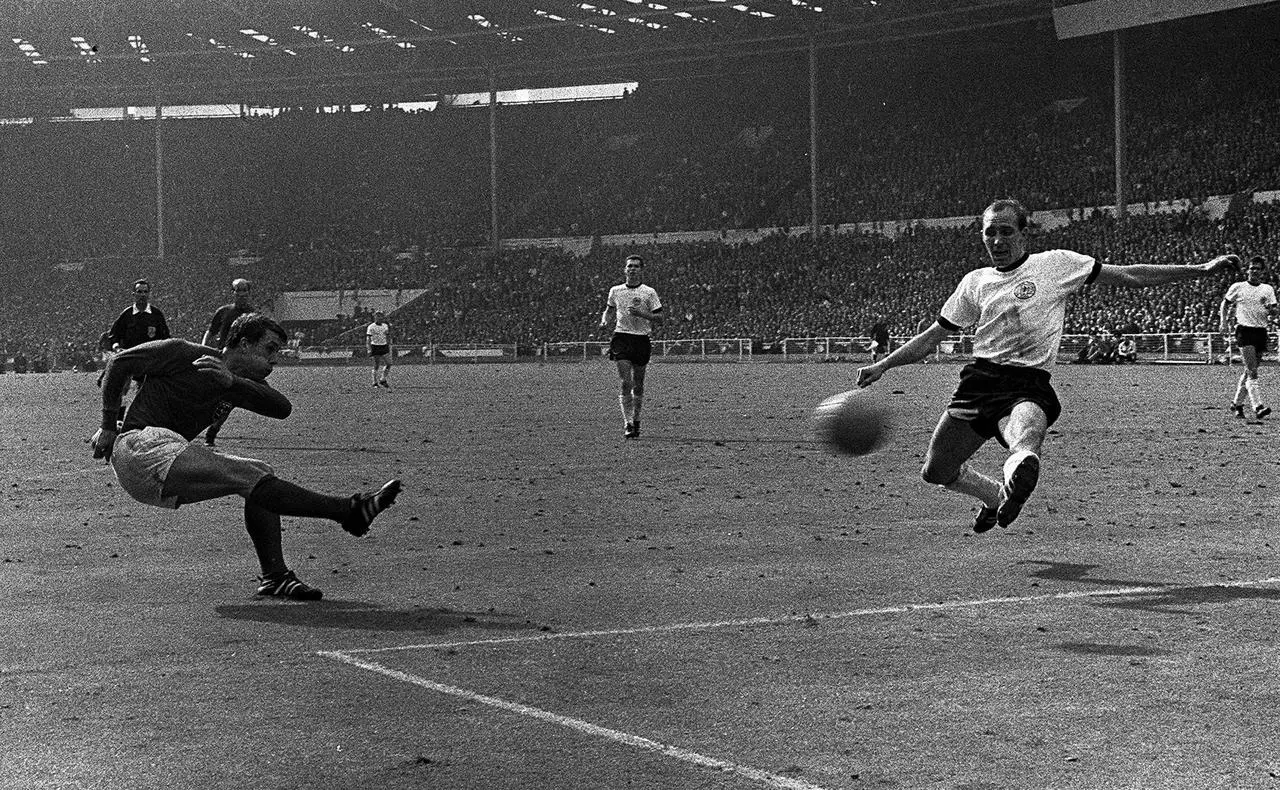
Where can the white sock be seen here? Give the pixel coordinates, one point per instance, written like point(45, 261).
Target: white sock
point(975, 484)
point(1013, 460)
point(626, 403)
point(1244, 377)
point(636, 402)
point(1255, 392)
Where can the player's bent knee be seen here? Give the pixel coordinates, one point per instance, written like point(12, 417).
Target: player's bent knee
point(936, 475)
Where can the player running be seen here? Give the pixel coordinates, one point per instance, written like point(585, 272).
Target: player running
point(378, 337)
point(1255, 303)
point(157, 462)
point(1018, 305)
point(637, 309)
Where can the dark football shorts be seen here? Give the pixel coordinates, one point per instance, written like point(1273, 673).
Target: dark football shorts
point(1255, 336)
point(988, 392)
point(635, 349)
point(378, 351)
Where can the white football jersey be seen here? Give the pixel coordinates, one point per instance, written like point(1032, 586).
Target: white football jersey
point(621, 297)
point(379, 334)
point(1019, 313)
point(1251, 302)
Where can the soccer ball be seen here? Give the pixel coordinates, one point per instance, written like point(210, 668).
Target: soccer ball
point(852, 423)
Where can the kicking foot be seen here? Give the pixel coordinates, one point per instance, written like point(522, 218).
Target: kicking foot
point(1017, 489)
point(985, 520)
point(631, 431)
point(365, 507)
point(287, 585)
point(1262, 411)
point(1238, 409)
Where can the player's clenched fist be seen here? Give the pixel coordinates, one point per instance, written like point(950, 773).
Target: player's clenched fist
point(102, 441)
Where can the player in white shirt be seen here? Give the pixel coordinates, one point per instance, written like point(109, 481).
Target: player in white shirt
point(1017, 306)
point(637, 309)
point(379, 336)
point(1255, 303)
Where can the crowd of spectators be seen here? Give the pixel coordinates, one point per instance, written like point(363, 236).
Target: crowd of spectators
point(389, 199)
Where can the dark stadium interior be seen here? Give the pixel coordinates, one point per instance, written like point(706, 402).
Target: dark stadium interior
point(904, 131)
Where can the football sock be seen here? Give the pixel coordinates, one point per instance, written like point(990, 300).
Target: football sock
point(975, 484)
point(636, 402)
point(626, 403)
point(1240, 387)
point(287, 499)
point(1255, 392)
point(263, 527)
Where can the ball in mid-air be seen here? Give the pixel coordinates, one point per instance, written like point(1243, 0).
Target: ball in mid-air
point(852, 423)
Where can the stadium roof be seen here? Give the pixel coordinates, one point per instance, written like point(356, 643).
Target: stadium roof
point(59, 53)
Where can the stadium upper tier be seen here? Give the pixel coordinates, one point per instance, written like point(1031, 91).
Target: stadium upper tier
point(327, 201)
point(778, 287)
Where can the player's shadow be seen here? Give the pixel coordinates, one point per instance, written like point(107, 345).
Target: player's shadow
point(259, 444)
point(360, 616)
point(1073, 572)
point(1161, 597)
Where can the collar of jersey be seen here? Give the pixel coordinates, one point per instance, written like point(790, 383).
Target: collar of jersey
point(1015, 264)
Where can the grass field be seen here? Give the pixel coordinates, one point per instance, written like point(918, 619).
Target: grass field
point(720, 604)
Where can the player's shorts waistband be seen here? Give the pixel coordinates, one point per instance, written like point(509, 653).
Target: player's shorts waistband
point(1020, 371)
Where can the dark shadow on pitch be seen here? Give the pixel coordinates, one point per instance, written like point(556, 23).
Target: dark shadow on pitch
point(258, 444)
point(1102, 649)
point(360, 616)
point(1074, 572)
point(1160, 597)
point(1180, 600)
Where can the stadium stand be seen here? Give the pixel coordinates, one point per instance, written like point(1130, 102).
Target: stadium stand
point(390, 199)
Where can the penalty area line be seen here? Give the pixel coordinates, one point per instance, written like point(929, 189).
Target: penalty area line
point(594, 730)
point(1071, 595)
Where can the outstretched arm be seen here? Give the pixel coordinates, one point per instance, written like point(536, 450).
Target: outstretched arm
point(914, 350)
point(607, 317)
point(1145, 274)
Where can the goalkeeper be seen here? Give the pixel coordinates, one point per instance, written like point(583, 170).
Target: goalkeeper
point(184, 389)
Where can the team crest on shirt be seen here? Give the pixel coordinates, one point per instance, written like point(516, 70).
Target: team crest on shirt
point(1025, 290)
point(151, 331)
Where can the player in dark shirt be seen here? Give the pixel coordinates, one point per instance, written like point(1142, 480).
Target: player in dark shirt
point(218, 332)
point(140, 322)
point(186, 385)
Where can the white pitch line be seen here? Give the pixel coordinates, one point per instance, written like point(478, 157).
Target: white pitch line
point(753, 621)
point(628, 739)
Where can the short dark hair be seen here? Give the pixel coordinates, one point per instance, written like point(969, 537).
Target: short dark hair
point(633, 257)
point(1258, 259)
point(252, 327)
point(1019, 210)
point(136, 283)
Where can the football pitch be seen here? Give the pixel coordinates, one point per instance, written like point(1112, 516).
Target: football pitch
point(720, 604)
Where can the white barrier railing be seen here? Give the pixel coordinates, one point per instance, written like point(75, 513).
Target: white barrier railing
point(732, 349)
point(1181, 348)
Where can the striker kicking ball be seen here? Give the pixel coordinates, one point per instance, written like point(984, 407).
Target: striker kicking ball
point(852, 423)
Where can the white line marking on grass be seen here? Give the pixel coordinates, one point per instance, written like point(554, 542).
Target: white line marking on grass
point(665, 749)
point(799, 618)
